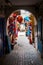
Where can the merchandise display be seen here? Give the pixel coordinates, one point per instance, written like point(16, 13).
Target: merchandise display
point(19, 23)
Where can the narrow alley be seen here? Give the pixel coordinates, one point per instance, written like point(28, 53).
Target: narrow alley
point(21, 32)
point(23, 54)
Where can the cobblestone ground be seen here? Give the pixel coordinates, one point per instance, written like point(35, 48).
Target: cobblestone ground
point(23, 54)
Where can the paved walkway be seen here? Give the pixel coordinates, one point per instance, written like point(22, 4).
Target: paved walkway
point(23, 54)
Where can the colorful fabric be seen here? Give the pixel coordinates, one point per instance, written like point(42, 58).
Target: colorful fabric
point(27, 19)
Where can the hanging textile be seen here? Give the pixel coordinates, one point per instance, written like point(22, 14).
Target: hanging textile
point(19, 19)
point(27, 19)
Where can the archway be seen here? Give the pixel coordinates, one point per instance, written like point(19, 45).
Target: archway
point(18, 19)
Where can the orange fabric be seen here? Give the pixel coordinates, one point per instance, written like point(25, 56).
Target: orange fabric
point(19, 19)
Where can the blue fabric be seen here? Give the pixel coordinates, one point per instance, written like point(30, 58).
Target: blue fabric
point(28, 32)
point(27, 19)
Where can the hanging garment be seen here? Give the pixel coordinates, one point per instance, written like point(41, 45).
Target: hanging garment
point(26, 19)
point(28, 32)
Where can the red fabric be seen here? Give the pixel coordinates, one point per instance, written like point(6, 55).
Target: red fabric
point(16, 35)
point(30, 41)
point(30, 24)
point(14, 29)
point(19, 19)
point(14, 15)
point(11, 25)
point(11, 20)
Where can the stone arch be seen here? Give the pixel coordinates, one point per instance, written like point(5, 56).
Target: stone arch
point(9, 10)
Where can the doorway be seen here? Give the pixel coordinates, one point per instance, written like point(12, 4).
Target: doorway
point(19, 22)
